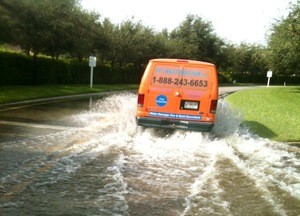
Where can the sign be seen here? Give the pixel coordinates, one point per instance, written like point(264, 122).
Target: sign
point(161, 100)
point(92, 64)
point(171, 76)
point(269, 73)
point(92, 61)
point(175, 116)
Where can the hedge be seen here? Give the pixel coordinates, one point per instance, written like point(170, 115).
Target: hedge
point(262, 78)
point(18, 69)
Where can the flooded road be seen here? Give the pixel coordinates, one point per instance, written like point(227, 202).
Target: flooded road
point(93, 160)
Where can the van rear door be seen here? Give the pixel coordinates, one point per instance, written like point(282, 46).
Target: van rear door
point(162, 99)
point(194, 91)
point(178, 90)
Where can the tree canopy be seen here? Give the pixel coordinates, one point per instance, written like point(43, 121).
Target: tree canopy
point(61, 28)
point(284, 44)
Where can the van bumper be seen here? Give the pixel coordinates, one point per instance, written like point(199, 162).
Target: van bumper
point(174, 124)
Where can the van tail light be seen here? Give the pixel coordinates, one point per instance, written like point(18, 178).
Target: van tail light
point(213, 106)
point(141, 99)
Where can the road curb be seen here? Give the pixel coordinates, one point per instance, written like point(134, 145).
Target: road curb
point(58, 98)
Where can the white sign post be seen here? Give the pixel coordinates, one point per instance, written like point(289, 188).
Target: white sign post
point(92, 64)
point(269, 75)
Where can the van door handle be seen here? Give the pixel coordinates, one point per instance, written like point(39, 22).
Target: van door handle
point(176, 93)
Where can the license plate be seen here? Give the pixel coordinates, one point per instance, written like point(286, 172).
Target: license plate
point(194, 105)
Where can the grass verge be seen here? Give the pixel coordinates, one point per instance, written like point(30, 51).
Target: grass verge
point(272, 113)
point(21, 93)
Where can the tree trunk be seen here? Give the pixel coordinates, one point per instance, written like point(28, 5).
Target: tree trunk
point(34, 70)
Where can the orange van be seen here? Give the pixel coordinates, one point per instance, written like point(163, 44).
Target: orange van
point(178, 94)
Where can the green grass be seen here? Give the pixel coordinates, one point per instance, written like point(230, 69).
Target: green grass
point(21, 93)
point(272, 113)
point(10, 48)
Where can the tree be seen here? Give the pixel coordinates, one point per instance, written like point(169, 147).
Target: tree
point(85, 34)
point(41, 26)
point(53, 27)
point(58, 38)
point(284, 44)
point(196, 40)
point(130, 42)
point(6, 23)
point(249, 59)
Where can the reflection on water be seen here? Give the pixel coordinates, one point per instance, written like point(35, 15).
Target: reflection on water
point(109, 166)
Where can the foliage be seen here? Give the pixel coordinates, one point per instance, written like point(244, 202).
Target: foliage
point(262, 78)
point(197, 40)
point(284, 44)
point(16, 69)
point(61, 29)
point(225, 77)
point(53, 27)
point(5, 25)
point(250, 59)
point(37, 23)
point(131, 43)
point(85, 35)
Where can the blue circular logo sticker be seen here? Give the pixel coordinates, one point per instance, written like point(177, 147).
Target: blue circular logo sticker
point(161, 100)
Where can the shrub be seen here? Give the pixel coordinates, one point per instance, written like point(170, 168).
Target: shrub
point(18, 69)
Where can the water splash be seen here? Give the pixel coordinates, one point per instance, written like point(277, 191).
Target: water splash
point(143, 171)
point(171, 152)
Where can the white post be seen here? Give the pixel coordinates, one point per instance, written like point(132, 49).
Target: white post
point(92, 64)
point(268, 81)
point(91, 81)
point(269, 75)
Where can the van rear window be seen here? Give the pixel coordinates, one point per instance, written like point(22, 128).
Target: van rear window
point(174, 76)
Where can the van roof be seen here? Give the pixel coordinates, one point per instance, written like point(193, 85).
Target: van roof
point(181, 61)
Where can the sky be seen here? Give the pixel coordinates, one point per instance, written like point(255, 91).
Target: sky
point(236, 21)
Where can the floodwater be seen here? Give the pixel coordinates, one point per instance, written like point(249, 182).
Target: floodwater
point(102, 164)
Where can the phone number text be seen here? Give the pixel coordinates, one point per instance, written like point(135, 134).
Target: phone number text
point(177, 81)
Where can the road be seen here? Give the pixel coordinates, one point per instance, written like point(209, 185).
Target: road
point(86, 156)
point(42, 117)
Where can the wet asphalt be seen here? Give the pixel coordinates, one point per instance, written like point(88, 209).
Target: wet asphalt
point(83, 155)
